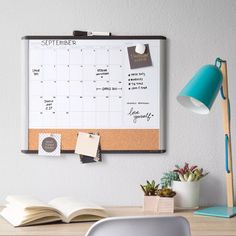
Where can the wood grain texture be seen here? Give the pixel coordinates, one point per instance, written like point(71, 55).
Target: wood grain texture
point(111, 139)
point(227, 131)
point(200, 225)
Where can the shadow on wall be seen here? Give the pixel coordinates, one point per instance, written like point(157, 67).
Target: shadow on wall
point(210, 193)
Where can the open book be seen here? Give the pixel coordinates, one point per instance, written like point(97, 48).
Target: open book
point(26, 210)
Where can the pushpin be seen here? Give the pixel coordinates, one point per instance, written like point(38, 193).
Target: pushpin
point(140, 48)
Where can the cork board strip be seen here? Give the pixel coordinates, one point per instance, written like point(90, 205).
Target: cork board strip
point(111, 139)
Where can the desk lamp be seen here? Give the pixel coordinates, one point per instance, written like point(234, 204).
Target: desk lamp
point(198, 96)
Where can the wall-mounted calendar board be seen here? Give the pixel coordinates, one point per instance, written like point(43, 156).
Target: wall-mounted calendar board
point(94, 84)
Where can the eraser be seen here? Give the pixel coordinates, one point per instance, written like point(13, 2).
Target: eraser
point(140, 48)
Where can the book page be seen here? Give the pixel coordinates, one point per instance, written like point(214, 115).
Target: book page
point(24, 210)
point(22, 217)
point(71, 207)
point(24, 201)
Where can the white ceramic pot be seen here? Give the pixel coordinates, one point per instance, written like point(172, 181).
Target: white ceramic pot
point(187, 194)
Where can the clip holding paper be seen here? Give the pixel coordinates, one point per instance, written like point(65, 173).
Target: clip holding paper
point(140, 48)
point(91, 134)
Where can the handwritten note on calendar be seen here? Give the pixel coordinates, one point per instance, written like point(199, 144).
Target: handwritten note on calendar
point(86, 84)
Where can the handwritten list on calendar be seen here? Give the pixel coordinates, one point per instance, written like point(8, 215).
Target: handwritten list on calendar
point(80, 84)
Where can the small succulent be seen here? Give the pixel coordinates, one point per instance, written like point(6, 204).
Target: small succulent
point(188, 174)
point(168, 177)
point(165, 192)
point(150, 189)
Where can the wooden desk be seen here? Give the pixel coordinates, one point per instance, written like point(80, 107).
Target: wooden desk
point(200, 225)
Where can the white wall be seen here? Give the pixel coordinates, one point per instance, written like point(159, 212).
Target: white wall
point(197, 32)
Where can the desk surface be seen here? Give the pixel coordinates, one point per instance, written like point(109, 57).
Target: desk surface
point(200, 225)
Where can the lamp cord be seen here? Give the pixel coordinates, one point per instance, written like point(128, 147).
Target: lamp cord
point(222, 92)
point(227, 142)
point(218, 62)
point(226, 154)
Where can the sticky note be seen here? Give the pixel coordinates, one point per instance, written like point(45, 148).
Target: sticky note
point(87, 144)
point(49, 144)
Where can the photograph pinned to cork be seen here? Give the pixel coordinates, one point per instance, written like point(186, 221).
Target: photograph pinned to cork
point(49, 144)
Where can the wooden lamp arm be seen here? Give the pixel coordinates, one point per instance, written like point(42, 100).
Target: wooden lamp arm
point(227, 133)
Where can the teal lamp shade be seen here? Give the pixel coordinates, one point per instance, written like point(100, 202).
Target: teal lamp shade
point(200, 92)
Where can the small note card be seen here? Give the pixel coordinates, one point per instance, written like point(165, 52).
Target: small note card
point(49, 144)
point(87, 144)
point(137, 60)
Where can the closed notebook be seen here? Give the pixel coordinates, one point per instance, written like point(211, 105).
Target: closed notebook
point(27, 210)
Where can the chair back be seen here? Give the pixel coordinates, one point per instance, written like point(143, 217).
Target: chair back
point(141, 226)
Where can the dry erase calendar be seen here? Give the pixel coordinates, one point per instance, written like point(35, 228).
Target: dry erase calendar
point(94, 84)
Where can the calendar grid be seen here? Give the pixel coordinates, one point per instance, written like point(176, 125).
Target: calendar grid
point(75, 91)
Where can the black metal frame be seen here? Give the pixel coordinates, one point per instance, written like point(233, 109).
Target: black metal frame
point(112, 37)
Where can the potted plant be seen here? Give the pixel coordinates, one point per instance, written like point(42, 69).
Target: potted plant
point(157, 200)
point(150, 196)
point(185, 181)
point(165, 200)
